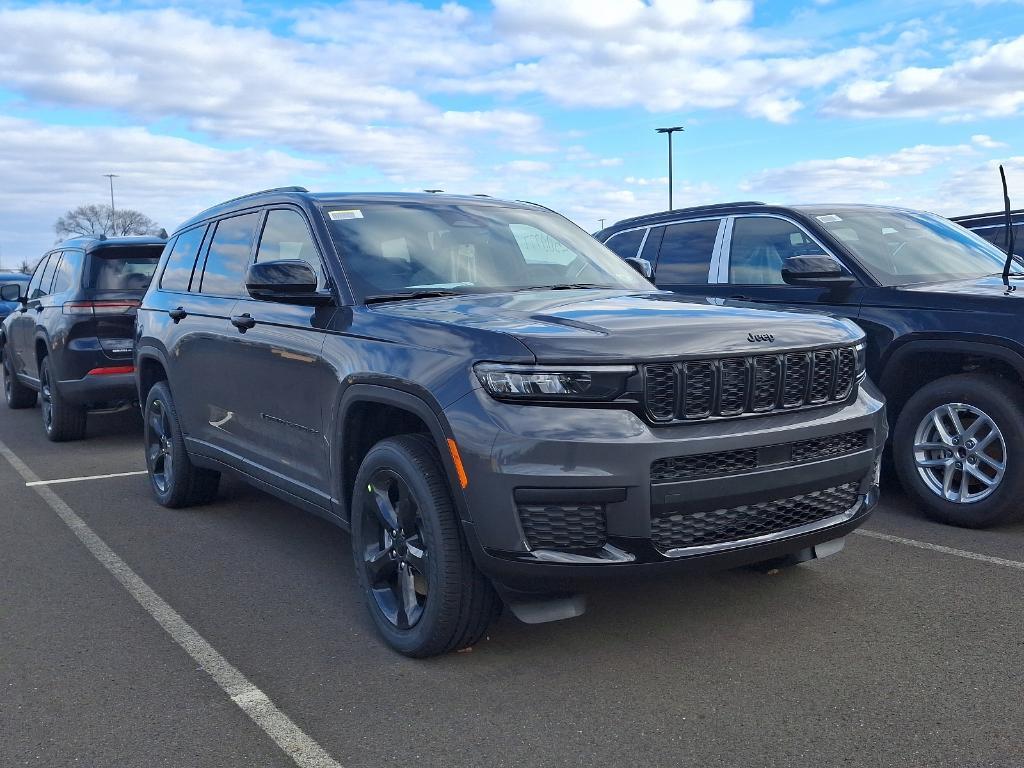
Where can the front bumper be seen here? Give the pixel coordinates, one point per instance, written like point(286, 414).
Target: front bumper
point(517, 455)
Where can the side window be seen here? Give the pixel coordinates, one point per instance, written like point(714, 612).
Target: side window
point(541, 248)
point(286, 236)
point(685, 255)
point(228, 256)
point(47, 279)
point(37, 278)
point(626, 244)
point(177, 274)
point(759, 246)
point(68, 272)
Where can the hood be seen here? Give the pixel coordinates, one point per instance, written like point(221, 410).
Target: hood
point(958, 292)
point(612, 325)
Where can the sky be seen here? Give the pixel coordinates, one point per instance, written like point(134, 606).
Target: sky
point(911, 103)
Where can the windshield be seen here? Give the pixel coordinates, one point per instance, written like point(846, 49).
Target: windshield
point(409, 247)
point(903, 247)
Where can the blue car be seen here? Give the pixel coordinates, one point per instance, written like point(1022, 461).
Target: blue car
point(6, 307)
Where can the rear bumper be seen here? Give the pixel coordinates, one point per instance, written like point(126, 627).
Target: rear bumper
point(100, 389)
point(596, 465)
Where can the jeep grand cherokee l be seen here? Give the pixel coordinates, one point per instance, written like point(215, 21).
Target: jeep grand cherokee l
point(493, 404)
point(945, 341)
point(70, 340)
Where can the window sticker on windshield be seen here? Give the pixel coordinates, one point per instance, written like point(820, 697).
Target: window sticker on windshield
point(830, 218)
point(339, 215)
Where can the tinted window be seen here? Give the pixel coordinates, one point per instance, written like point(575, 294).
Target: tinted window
point(286, 236)
point(67, 275)
point(182, 260)
point(759, 246)
point(685, 255)
point(626, 244)
point(44, 285)
point(122, 268)
point(228, 256)
point(37, 276)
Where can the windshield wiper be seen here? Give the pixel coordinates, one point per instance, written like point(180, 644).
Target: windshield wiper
point(564, 287)
point(400, 295)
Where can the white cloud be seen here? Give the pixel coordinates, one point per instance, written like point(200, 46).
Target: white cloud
point(988, 81)
point(48, 169)
point(987, 142)
point(525, 166)
point(874, 178)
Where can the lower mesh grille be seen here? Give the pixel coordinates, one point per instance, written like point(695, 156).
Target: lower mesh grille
point(725, 525)
point(676, 468)
point(563, 527)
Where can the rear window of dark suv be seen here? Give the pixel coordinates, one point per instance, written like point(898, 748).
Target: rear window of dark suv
point(122, 269)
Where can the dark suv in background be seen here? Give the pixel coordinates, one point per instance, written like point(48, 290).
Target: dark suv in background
point(11, 278)
point(992, 227)
point(945, 338)
point(489, 399)
point(70, 340)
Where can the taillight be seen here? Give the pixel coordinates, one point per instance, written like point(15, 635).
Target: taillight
point(108, 307)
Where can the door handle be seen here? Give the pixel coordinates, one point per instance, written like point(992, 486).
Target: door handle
point(740, 297)
point(177, 315)
point(243, 322)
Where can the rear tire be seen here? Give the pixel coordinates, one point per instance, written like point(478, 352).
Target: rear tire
point(934, 452)
point(175, 481)
point(16, 394)
point(62, 420)
point(422, 588)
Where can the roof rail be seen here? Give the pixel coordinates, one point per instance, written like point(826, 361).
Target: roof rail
point(694, 208)
point(265, 192)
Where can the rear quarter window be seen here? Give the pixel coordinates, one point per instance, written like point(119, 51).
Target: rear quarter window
point(122, 269)
point(181, 263)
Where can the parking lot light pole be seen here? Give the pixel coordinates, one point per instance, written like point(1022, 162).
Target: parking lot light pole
point(670, 131)
point(111, 176)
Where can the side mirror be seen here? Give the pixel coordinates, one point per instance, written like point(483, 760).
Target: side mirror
point(11, 292)
point(285, 281)
point(643, 266)
point(819, 270)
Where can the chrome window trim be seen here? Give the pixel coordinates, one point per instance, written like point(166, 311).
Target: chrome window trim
point(720, 264)
point(727, 254)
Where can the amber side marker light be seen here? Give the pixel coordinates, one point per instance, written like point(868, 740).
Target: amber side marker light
point(453, 449)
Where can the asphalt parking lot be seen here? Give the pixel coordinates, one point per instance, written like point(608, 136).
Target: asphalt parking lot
point(891, 653)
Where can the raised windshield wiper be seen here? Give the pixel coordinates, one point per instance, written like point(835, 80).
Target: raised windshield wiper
point(400, 295)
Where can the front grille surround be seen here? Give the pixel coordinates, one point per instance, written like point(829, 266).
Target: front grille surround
point(755, 384)
point(724, 526)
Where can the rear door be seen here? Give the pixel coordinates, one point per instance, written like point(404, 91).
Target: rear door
point(40, 310)
point(279, 414)
point(205, 375)
point(23, 324)
point(686, 256)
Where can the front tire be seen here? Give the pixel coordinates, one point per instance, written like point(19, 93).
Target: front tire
point(62, 420)
point(16, 394)
point(958, 448)
point(423, 590)
point(175, 481)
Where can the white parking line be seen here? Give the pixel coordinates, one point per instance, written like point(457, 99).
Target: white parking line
point(34, 483)
point(944, 550)
point(299, 746)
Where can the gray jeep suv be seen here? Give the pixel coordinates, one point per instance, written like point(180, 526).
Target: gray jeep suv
point(495, 405)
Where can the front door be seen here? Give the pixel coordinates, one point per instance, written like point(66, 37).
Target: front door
point(751, 268)
point(280, 414)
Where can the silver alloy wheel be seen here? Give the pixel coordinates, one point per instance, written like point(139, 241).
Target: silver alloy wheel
point(960, 453)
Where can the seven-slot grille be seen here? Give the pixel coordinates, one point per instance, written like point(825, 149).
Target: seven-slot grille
point(699, 389)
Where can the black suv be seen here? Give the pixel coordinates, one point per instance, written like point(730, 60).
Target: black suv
point(992, 227)
point(944, 340)
point(488, 398)
point(70, 340)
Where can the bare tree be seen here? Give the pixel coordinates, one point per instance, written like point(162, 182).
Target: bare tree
point(25, 268)
point(95, 220)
